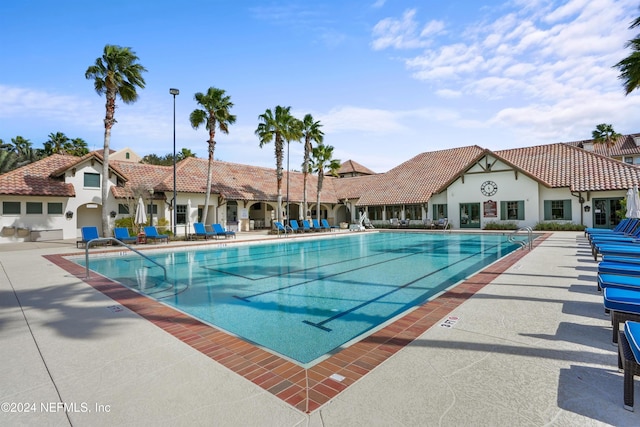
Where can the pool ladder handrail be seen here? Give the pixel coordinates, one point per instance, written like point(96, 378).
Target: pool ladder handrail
point(523, 243)
point(114, 240)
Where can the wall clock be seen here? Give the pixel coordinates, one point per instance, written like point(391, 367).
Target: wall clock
point(489, 188)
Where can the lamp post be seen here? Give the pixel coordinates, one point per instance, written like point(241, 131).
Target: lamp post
point(174, 217)
point(151, 206)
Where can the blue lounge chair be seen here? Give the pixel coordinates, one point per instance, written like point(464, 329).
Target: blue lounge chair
point(610, 280)
point(326, 226)
point(316, 225)
point(220, 232)
point(282, 228)
point(629, 359)
point(620, 249)
point(622, 226)
point(294, 226)
point(122, 234)
point(624, 304)
point(305, 225)
point(152, 233)
point(88, 233)
point(201, 231)
point(623, 237)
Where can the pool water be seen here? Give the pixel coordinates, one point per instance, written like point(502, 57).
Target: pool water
point(305, 298)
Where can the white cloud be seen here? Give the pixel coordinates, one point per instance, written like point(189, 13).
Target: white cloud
point(403, 33)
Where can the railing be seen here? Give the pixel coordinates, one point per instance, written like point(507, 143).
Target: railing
point(114, 240)
point(524, 243)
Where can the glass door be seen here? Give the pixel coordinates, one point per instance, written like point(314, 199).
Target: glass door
point(607, 213)
point(469, 215)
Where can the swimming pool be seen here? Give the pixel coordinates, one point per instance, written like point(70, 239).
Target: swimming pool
point(305, 298)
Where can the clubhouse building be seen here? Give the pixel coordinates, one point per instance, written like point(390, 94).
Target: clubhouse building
point(577, 182)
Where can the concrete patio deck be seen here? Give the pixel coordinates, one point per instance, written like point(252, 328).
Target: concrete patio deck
point(531, 348)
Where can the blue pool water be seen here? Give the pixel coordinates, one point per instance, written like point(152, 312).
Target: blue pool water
point(305, 298)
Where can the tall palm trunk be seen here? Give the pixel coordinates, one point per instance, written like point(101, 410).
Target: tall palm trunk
point(108, 124)
point(207, 193)
point(279, 174)
point(320, 182)
point(305, 175)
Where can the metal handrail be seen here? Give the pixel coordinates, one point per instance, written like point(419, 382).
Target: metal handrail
point(523, 243)
point(113, 239)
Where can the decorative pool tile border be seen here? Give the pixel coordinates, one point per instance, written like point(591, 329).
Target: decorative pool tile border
point(305, 389)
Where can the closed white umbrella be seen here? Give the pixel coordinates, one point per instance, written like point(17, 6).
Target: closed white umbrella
point(636, 201)
point(141, 215)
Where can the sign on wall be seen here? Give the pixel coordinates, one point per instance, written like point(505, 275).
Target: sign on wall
point(490, 209)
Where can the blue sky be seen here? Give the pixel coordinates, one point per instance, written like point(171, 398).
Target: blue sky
point(387, 79)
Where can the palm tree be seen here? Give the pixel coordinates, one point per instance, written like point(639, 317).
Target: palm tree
point(604, 134)
point(311, 133)
point(322, 159)
point(116, 72)
point(7, 161)
point(78, 147)
point(215, 114)
point(24, 150)
point(630, 66)
point(184, 153)
point(58, 143)
point(281, 126)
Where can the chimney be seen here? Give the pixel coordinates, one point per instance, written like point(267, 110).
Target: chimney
point(587, 145)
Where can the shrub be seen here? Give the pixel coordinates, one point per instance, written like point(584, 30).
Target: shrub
point(558, 226)
point(503, 225)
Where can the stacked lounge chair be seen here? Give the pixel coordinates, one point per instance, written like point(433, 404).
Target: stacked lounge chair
point(619, 280)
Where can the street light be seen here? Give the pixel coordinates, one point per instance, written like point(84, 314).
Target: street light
point(174, 92)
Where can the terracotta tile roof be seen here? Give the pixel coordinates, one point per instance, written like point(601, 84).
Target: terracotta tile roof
point(354, 187)
point(417, 179)
point(93, 154)
point(565, 165)
point(231, 180)
point(351, 167)
point(35, 179)
point(624, 146)
point(139, 176)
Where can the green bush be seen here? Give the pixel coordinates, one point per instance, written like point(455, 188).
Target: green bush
point(503, 225)
point(558, 226)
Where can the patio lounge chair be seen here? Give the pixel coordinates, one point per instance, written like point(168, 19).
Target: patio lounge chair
point(316, 225)
point(612, 280)
point(305, 225)
point(122, 234)
point(88, 233)
point(152, 233)
point(404, 223)
point(442, 223)
point(394, 222)
point(201, 231)
point(623, 304)
point(282, 228)
point(628, 357)
point(622, 226)
point(294, 226)
point(217, 228)
point(620, 249)
point(326, 226)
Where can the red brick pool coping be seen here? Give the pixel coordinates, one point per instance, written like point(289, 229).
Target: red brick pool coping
point(305, 389)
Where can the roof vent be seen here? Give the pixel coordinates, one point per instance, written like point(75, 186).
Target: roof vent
point(588, 145)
